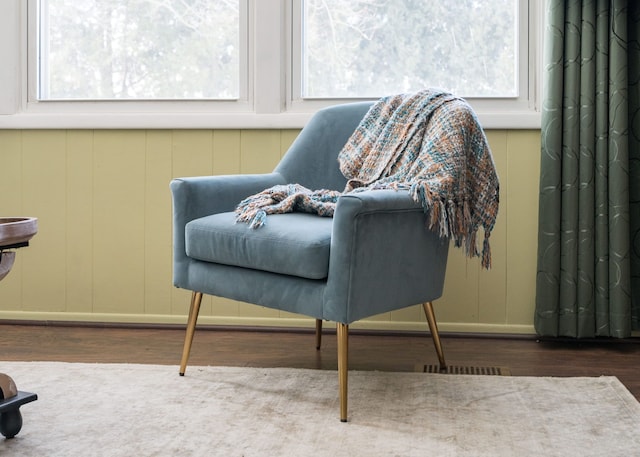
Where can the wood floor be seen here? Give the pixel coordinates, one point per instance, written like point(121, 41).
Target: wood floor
point(367, 351)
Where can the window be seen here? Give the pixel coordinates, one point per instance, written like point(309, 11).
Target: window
point(258, 63)
point(487, 51)
point(138, 49)
point(364, 48)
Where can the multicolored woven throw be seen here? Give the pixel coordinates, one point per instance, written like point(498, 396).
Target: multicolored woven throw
point(428, 143)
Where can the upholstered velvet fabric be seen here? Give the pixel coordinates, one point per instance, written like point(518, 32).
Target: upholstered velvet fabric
point(312, 159)
point(379, 255)
point(294, 244)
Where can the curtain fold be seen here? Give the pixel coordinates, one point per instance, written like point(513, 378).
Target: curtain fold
point(588, 276)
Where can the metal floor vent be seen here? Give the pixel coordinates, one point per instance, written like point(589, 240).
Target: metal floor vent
point(495, 371)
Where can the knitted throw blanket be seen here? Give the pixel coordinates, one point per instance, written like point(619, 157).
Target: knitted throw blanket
point(430, 144)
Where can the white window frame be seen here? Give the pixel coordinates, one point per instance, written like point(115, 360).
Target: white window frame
point(238, 105)
point(267, 99)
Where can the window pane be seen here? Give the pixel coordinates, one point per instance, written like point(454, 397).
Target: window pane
point(138, 49)
point(370, 48)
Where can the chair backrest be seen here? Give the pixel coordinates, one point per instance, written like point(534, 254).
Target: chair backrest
point(312, 159)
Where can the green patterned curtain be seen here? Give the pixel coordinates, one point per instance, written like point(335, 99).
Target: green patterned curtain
point(588, 277)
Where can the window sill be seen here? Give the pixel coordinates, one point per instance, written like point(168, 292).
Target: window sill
point(168, 120)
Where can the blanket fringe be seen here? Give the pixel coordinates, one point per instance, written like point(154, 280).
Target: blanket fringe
point(451, 219)
point(486, 253)
point(258, 220)
point(470, 245)
point(285, 198)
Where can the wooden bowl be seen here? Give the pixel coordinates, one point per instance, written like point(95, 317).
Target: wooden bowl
point(15, 230)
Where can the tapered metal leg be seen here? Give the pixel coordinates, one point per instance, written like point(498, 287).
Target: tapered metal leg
point(318, 333)
point(433, 327)
point(343, 367)
point(194, 309)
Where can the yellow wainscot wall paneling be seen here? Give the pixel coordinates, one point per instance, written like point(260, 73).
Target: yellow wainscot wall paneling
point(79, 222)
point(523, 171)
point(118, 221)
point(43, 168)
point(11, 205)
point(492, 285)
point(103, 252)
point(157, 235)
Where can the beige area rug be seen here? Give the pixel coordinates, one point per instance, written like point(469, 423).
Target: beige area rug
point(145, 410)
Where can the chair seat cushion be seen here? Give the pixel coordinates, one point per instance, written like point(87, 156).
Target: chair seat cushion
point(294, 244)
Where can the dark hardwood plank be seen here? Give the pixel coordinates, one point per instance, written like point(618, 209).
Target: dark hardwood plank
point(367, 351)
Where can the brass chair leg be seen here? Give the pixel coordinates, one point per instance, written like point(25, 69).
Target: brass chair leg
point(433, 327)
point(343, 367)
point(194, 309)
point(318, 333)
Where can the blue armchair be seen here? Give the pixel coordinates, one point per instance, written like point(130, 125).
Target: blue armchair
point(373, 256)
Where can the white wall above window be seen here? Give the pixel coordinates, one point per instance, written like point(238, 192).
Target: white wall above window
point(272, 68)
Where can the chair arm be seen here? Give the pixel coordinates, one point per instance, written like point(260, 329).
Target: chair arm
point(195, 197)
point(382, 200)
point(200, 196)
point(383, 257)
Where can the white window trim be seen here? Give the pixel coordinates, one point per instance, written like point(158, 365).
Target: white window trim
point(268, 104)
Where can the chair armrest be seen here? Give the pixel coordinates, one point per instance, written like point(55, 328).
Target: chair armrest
point(381, 200)
point(383, 256)
point(196, 197)
point(200, 196)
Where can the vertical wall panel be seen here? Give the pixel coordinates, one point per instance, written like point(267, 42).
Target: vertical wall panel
point(192, 153)
point(492, 287)
point(287, 137)
point(118, 223)
point(410, 314)
point(44, 175)
point(11, 205)
point(459, 302)
point(11, 170)
point(260, 151)
point(523, 169)
point(226, 152)
point(79, 221)
point(180, 299)
point(383, 317)
point(157, 223)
